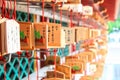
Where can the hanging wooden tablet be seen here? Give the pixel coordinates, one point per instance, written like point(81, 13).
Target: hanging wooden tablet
point(63, 44)
point(26, 35)
point(74, 1)
point(49, 35)
point(54, 35)
point(94, 33)
point(57, 74)
point(72, 35)
point(13, 36)
point(3, 45)
point(68, 7)
point(77, 34)
point(69, 35)
point(41, 35)
point(87, 78)
point(91, 55)
point(82, 33)
point(66, 70)
point(104, 32)
point(9, 36)
point(86, 33)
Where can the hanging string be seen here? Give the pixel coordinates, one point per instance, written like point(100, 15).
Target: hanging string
point(0, 8)
point(27, 53)
point(53, 6)
point(60, 16)
point(19, 53)
point(7, 10)
point(71, 24)
point(37, 66)
point(14, 11)
point(42, 10)
point(3, 8)
point(28, 13)
point(10, 5)
point(78, 17)
point(28, 57)
point(67, 16)
point(5, 70)
point(0, 3)
point(55, 51)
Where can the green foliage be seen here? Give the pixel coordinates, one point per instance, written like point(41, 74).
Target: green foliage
point(118, 19)
point(112, 25)
point(22, 35)
point(37, 34)
point(76, 68)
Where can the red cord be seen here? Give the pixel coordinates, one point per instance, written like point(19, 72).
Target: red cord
point(7, 10)
point(3, 8)
point(37, 67)
point(10, 5)
point(42, 10)
point(14, 12)
point(53, 5)
point(53, 12)
point(4, 71)
point(0, 3)
point(55, 51)
point(71, 19)
point(68, 16)
point(28, 10)
point(27, 51)
point(19, 53)
point(78, 18)
point(27, 56)
point(15, 9)
point(60, 16)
